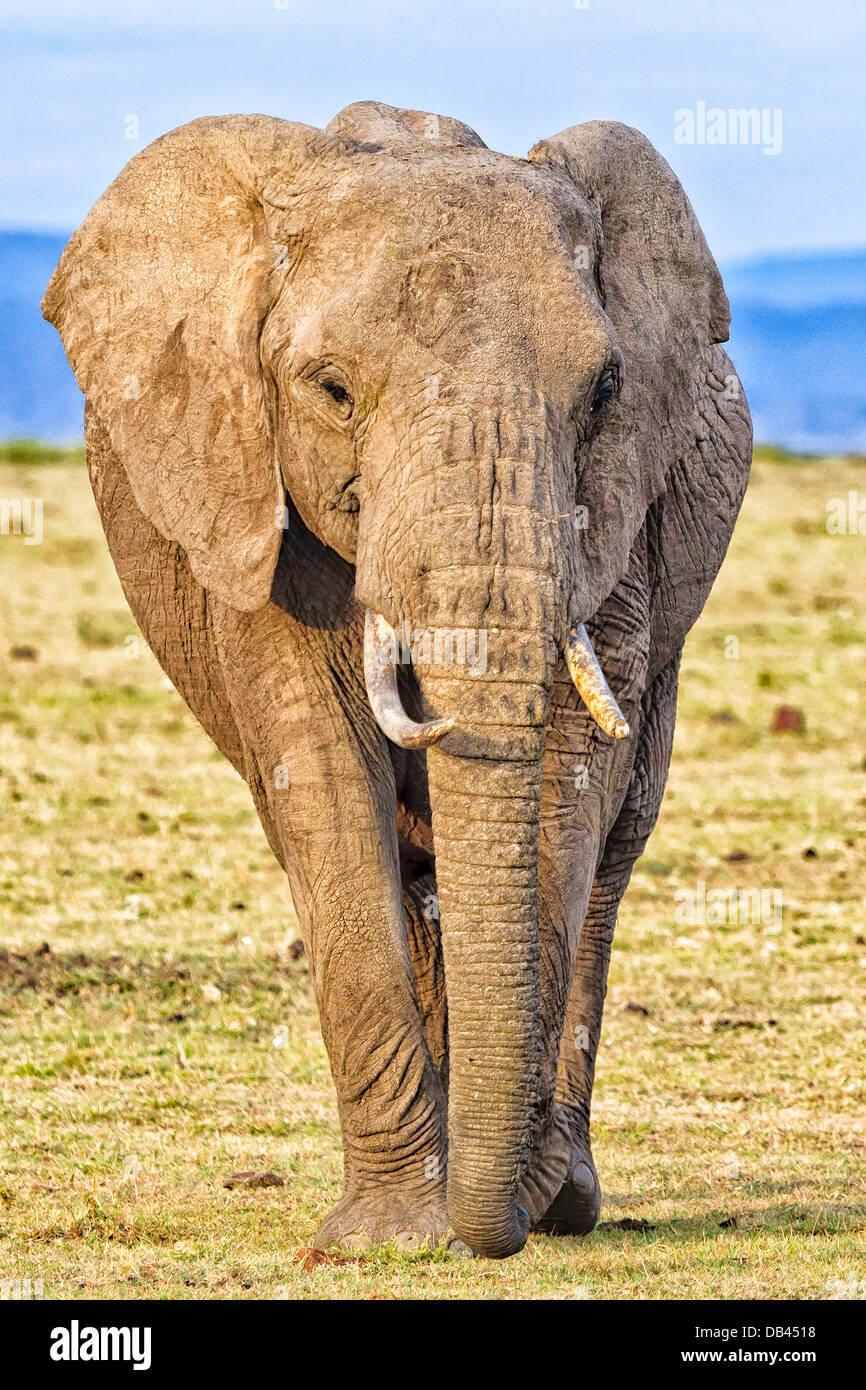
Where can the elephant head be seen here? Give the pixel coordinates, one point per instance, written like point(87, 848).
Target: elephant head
point(472, 374)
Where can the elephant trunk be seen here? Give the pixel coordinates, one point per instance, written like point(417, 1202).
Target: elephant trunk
point(485, 786)
point(484, 783)
point(485, 791)
point(485, 823)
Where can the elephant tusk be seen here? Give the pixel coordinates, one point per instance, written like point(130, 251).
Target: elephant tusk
point(380, 674)
point(592, 687)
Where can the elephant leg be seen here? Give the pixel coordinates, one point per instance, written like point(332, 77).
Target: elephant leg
point(323, 768)
point(379, 1042)
point(421, 906)
point(575, 1210)
point(421, 902)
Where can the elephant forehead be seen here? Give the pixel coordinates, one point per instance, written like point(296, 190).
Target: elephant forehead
point(482, 204)
point(437, 290)
point(453, 249)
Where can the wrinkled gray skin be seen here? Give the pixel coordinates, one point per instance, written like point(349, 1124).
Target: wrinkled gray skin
point(399, 335)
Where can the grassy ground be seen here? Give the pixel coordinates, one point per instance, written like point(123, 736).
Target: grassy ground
point(157, 1033)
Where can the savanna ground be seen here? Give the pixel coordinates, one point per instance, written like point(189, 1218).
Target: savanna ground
point(157, 1029)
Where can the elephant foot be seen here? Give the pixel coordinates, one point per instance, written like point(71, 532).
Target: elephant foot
point(361, 1220)
point(576, 1208)
point(548, 1168)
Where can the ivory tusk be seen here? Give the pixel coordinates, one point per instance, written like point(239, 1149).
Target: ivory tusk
point(380, 675)
point(593, 688)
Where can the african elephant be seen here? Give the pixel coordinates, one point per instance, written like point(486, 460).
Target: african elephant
point(361, 403)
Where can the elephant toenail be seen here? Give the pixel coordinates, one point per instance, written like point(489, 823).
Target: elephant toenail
point(582, 1176)
point(458, 1249)
point(409, 1241)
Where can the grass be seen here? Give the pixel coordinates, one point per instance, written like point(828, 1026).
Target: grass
point(31, 452)
point(157, 1030)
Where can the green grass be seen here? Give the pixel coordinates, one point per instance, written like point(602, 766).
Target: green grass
point(32, 452)
point(157, 1031)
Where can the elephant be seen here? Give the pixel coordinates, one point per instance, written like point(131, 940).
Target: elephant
point(417, 463)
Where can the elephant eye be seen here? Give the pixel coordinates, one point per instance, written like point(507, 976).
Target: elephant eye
point(605, 389)
point(338, 393)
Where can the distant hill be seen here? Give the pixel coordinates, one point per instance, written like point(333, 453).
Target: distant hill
point(798, 340)
point(38, 395)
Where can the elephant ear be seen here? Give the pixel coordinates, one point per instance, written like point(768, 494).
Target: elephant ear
point(664, 296)
point(160, 298)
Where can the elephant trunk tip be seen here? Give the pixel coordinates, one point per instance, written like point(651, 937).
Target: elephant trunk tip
point(493, 1240)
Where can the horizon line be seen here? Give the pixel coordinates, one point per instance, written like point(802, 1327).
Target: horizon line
point(743, 258)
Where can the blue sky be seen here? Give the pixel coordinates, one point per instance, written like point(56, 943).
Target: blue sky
point(517, 70)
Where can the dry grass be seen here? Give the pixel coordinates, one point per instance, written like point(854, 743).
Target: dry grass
point(164, 1036)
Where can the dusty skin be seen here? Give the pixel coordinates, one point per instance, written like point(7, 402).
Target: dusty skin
point(382, 368)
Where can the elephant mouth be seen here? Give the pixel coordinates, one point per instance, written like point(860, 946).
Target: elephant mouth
point(380, 674)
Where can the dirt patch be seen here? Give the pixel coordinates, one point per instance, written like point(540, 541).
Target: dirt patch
point(310, 1259)
point(628, 1223)
point(74, 972)
point(44, 972)
point(251, 1179)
